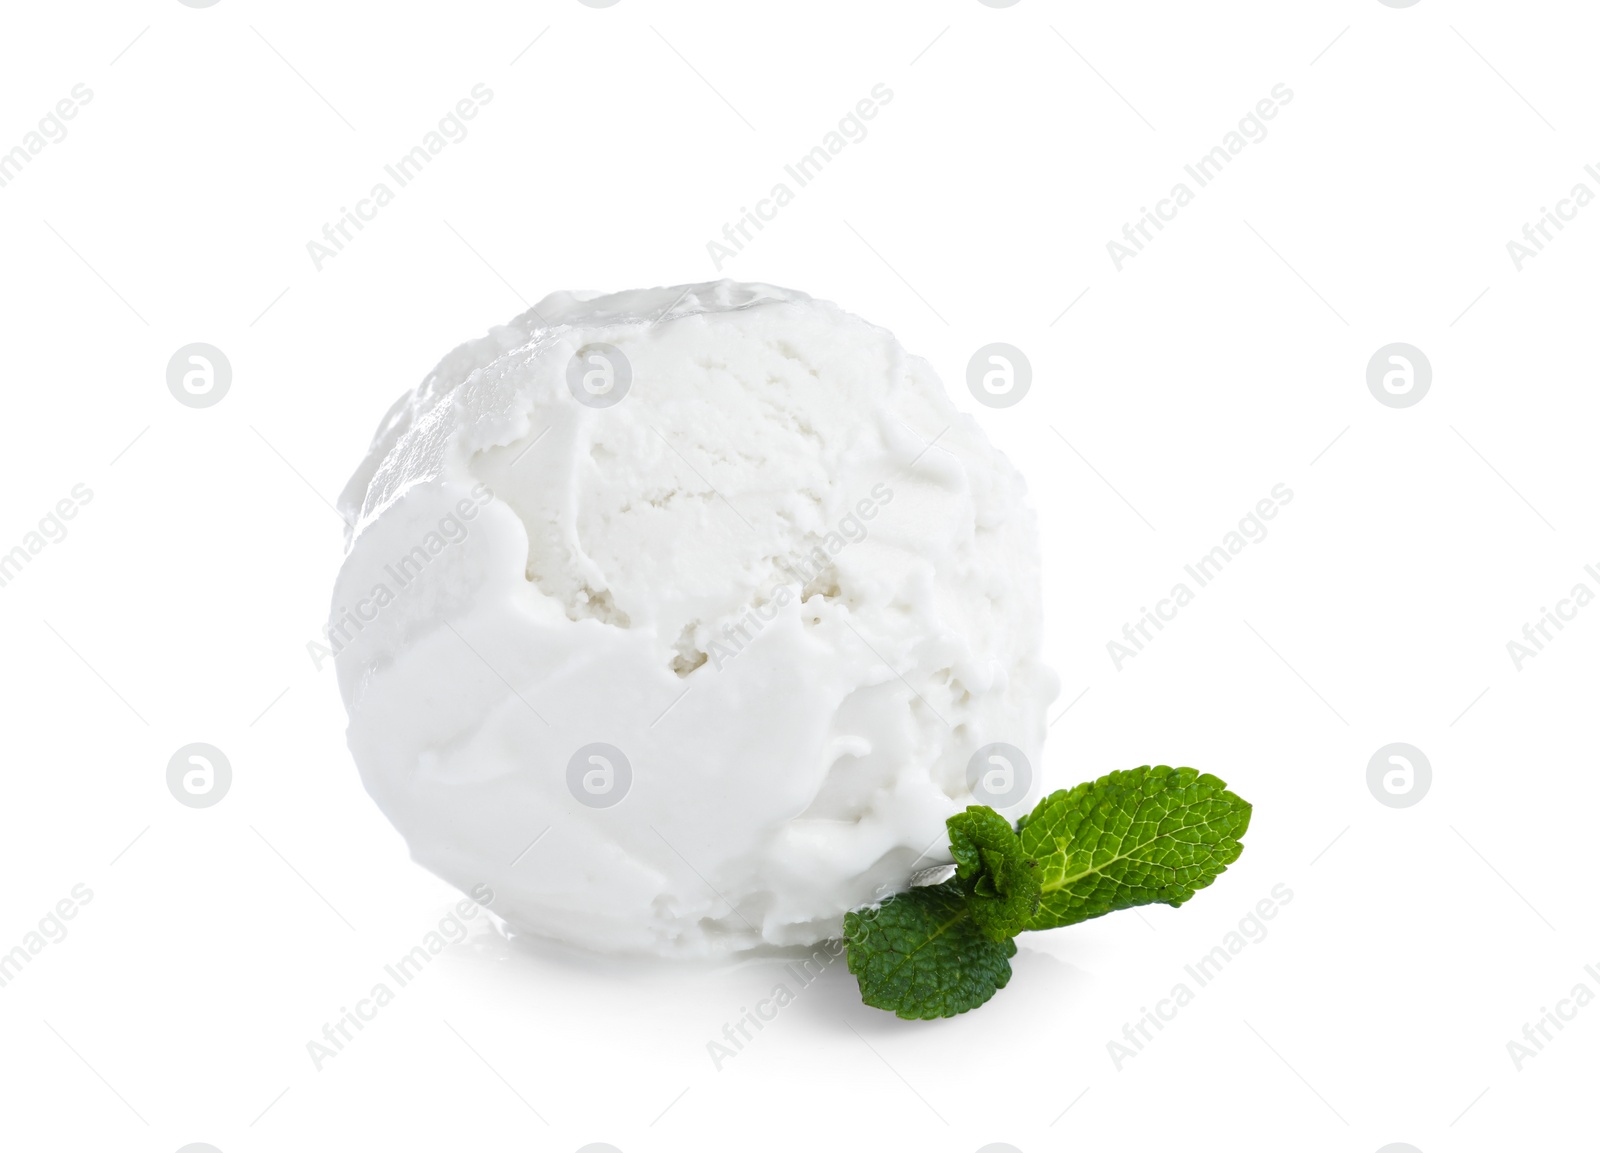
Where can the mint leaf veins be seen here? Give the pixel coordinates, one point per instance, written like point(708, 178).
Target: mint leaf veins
point(921, 955)
point(1140, 837)
point(1144, 836)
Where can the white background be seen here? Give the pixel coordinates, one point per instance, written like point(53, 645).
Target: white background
point(1229, 357)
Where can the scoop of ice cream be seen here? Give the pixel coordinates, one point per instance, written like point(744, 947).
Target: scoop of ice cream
point(681, 619)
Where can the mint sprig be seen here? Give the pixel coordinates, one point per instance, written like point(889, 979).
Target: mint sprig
point(1143, 836)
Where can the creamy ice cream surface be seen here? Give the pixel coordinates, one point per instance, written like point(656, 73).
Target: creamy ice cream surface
point(683, 618)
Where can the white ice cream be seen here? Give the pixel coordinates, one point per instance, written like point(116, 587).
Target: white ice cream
point(783, 576)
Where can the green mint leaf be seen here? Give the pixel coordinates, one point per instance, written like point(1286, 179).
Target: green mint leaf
point(1152, 834)
point(920, 955)
point(1136, 837)
point(1001, 883)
